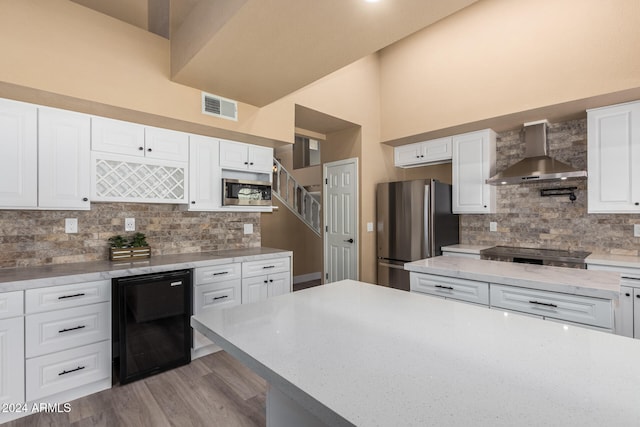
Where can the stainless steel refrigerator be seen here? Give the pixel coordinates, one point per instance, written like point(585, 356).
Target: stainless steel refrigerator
point(414, 221)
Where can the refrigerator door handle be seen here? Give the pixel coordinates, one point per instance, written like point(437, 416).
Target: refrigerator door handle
point(396, 266)
point(427, 214)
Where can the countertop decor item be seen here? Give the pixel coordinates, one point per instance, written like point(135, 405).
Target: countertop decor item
point(136, 247)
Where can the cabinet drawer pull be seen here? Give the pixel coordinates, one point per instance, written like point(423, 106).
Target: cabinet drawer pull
point(73, 370)
point(269, 266)
point(546, 304)
point(444, 287)
point(71, 296)
point(71, 329)
point(224, 296)
point(220, 273)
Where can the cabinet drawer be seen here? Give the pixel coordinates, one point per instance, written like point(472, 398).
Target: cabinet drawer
point(572, 308)
point(65, 370)
point(460, 289)
point(269, 266)
point(217, 295)
point(11, 304)
point(65, 296)
point(218, 273)
point(64, 329)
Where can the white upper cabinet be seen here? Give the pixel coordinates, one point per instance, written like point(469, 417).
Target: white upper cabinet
point(18, 155)
point(131, 139)
point(614, 159)
point(205, 181)
point(239, 156)
point(422, 153)
point(474, 159)
point(64, 159)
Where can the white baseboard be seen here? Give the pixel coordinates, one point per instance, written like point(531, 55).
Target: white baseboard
point(307, 277)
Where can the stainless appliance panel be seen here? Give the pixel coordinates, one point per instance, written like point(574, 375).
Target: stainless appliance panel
point(246, 192)
point(393, 275)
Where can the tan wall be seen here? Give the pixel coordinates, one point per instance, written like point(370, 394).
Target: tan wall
point(63, 48)
point(498, 57)
point(283, 230)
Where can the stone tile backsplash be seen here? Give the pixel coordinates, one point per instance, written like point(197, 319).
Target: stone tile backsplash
point(29, 238)
point(526, 219)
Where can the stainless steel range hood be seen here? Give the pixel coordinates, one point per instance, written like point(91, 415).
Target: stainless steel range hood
point(536, 166)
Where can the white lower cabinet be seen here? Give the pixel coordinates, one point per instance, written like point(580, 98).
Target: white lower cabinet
point(265, 279)
point(215, 288)
point(451, 288)
point(67, 341)
point(629, 308)
point(12, 361)
point(553, 305)
point(259, 288)
point(66, 370)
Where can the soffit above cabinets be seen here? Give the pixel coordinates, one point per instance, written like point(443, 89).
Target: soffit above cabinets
point(257, 52)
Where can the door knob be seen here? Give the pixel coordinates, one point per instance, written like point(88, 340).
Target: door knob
point(350, 240)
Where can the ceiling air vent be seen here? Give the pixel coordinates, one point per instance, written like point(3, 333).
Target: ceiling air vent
point(220, 107)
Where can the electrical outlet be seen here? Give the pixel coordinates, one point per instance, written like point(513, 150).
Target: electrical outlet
point(636, 230)
point(248, 229)
point(71, 225)
point(493, 226)
point(129, 224)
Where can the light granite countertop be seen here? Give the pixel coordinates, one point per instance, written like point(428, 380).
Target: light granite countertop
point(600, 284)
point(352, 353)
point(626, 265)
point(465, 249)
point(15, 279)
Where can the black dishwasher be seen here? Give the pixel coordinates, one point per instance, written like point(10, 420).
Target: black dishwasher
point(151, 331)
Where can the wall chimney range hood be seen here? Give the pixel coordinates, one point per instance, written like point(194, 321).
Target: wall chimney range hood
point(537, 165)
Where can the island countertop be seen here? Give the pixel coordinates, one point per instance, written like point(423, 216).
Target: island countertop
point(352, 353)
point(599, 284)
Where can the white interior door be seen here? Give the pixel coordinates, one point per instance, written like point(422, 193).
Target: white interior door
point(341, 220)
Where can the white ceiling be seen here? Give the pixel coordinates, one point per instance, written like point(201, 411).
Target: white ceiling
point(257, 51)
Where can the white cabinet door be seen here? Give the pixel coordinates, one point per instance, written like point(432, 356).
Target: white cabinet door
point(233, 155)
point(116, 136)
point(18, 155)
point(12, 357)
point(613, 159)
point(473, 163)
point(166, 144)
point(409, 154)
point(260, 159)
point(205, 180)
point(449, 287)
point(64, 158)
point(255, 289)
point(279, 284)
point(626, 319)
point(438, 150)
point(239, 156)
point(636, 312)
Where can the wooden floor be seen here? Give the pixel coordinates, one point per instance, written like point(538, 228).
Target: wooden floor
point(215, 390)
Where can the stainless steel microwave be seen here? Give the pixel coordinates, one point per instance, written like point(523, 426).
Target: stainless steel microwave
point(239, 192)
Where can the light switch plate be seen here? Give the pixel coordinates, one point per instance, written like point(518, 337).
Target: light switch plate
point(636, 230)
point(71, 225)
point(493, 226)
point(369, 227)
point(248, 229)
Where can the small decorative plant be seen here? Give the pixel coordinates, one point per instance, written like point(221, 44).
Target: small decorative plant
point(138, 240)
point(117, 241)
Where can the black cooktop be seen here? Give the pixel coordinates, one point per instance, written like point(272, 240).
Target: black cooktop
point(535, 253)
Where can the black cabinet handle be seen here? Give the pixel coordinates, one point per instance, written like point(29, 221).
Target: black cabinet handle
point(637, 203)
point(638, 296)
point(71, 296)
point(73, 370)
point(269, 266)
point(71, 329)
point(220, 273)
point(193, 202)
point(149, 150)
point(266, 281)
point(246, 163)
point(224, 296)
point(417, 157)
point(141, 148)
point(422, 155)
point(627, 294)
point(250, 163)
point(546, 304)
point(85, 199)
point(444, 287)
point(271, 280)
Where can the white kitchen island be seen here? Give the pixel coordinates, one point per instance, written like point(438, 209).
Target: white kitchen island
point(351, 353)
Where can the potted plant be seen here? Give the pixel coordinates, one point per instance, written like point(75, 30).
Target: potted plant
point(117, 241)
point(139, 240)
point(127, 249)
